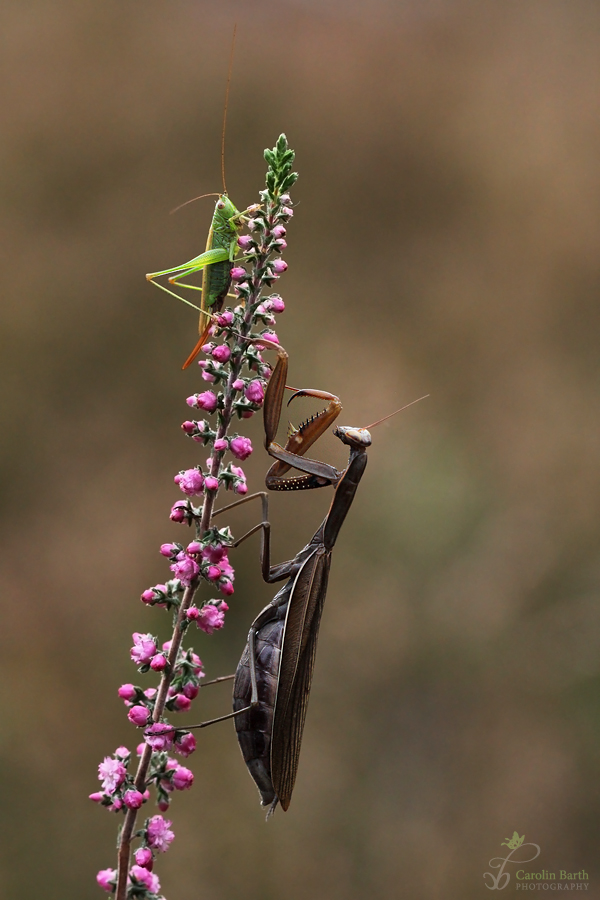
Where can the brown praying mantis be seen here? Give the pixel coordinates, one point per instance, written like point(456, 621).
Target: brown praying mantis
point(274, 676)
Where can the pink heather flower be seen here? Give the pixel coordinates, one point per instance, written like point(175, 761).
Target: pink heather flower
point(191, 690)
point(237, 273)
point(245, 241)
point(192, 613)
point(159, 736)
point(127, 692)
point(208, 348)
point(111, 773)
point(213, 572)
point(133, 799)
point(277, 304)
point(206, 375)
point(287, 211)
point(211, 483)
point(144, 648)
point(221, 353)
point(163, 804)
point(279, 231)
point(179, 513)
point(207, 401)
point(150, 693)
point(138, 715)
point(140, 748)
point(185, 568)
point(226, 587)
point(214, 553)
point(107, 879)
point(240, 487)
point(254, 391)
point(190, 482)
point(279, 266)
point(144, 876)
point(182, 703)
point(270, 336)
point(237, 470)
point(183, 779)
point(210, 619)
point(241, 447)
point(247, 413)
point(122, 753)
point(226, 318)
point(98, 797)
point(193, 547)
point(281, 245)
point(238, 385)
point(220, 444)
point(188, 427)
point(116, 805)
point(158, 834)
point(185, 744)
point(144, 858)
point(158, 662)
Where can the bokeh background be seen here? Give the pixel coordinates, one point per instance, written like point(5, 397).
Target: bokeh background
point(446, 240)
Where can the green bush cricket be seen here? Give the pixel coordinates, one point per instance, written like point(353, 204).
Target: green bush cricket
point(221, 249)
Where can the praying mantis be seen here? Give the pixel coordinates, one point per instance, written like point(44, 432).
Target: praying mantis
point(274, 676)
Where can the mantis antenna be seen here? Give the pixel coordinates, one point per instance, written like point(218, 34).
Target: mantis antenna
point(412, 403)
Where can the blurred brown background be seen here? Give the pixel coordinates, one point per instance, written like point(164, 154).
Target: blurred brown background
point(446, 240)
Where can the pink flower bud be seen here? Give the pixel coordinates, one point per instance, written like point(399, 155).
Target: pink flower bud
point(133, 799)
point(147, 596)
point(182, 703)
point(144, 648)
point(211, 483)
point(143, 857)
point(98, 797)
point(141, 875)
point(192, 613)
point(127, 692)
point(241, 447)
point(245, 241)
point(183, 779)
point(163, 804)
point(179, 513)
point(238, 471)
point(241, 488)
point(188, 427)
point(225, 318)
point(287, 211)
point(220, 444)
point(247, 414)
point(271, 336)
point(254, 391)
point(214, 553)
point(221, 353)
point(238, 385)
point(107, 879)
point(278, 305)
point(207, 401)
point(191, 690)
point(185, 744)
point(190, 482)
point(238, 273)
point(213, 572)
point(150, 693)
point(168, 549)
point(193, 547)
point(279, 231)
point(138, 715)
point(280, 245)
point(226, 587)
point(158, 662)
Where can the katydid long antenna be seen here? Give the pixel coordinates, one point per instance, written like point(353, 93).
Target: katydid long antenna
point(225, 109)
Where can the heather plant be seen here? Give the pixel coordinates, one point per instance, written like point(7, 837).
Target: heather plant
point(237, 373)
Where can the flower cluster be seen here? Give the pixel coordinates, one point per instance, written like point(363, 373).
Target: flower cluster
point(238, 375)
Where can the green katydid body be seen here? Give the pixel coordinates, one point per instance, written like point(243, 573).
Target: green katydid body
point(215, 264)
